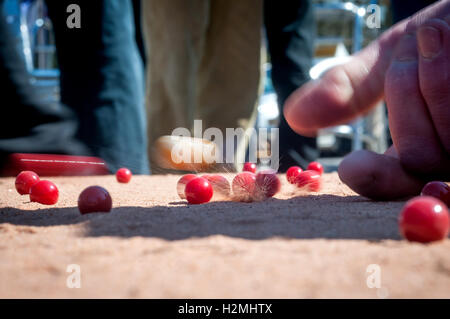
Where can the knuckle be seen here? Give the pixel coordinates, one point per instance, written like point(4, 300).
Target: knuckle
point(403, 77)
point(418, 162)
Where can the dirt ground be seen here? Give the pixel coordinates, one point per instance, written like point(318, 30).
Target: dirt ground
point(153, 245)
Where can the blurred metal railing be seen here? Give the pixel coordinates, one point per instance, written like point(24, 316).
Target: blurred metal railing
point(39, 48)
point(371, 129)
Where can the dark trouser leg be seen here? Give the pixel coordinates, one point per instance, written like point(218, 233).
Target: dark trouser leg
point(102, 79)
point(28, 124)
point(139, 35)
point(290, 29)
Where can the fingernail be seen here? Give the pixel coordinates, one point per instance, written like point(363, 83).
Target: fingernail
point(430, 41)
point(406, 49)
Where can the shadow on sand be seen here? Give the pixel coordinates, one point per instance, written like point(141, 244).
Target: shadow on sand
point(305, 217)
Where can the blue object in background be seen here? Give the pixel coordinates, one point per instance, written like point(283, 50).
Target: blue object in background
point(10, 11)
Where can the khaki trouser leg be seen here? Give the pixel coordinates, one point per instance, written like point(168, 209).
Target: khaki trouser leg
point(229, 75)
point(174, 33)
point(203, 63)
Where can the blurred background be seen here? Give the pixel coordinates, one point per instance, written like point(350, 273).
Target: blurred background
point(341, 30)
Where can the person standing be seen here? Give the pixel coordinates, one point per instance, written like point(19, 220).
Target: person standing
point(290, 30)
point(30, 125)
point(203, 63)
point(102, 78)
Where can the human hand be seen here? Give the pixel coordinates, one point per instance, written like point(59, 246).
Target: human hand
point(409, 65)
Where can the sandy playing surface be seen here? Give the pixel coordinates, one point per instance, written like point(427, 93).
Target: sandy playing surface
point(154, 245)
